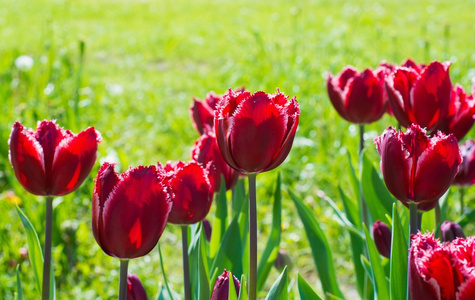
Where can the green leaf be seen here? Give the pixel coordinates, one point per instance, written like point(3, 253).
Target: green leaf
point(199, 273)
point(398, 260)
point(239, 196)
point(278, 291)
point(34, 249)
point(272, 248)
point(351, 209)
point(357, 249)
point(232, 290)
point(230, 251)
point(19, 291)
point(354, 179)
point(381, 284)
point(243, 291)
point(377, 196)
point(166, 295)
point(341, 218)
point(243, 223)
point(305, 290)
point(220, 220)
point(322, 254)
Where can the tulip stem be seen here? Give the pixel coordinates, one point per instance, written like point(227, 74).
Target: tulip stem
point(462, 193)
point(124, 264)
point(47, 256)
point(361, 138)
point(413, 227)
point(186, 266)
point(163, 271)
point(252, 237)
point(364, 208)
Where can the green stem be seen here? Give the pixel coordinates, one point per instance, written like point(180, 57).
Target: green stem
point(124, 264)
point(252, 237)
point(186, 264)
point(163, 272)
point(462, 194)
point(47, 257)
point(364, 208)
point(413, 227)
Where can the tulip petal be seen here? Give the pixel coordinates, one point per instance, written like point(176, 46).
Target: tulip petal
point(73, 160)
point(466, 290)
point(26, 157)
point(202, 116)
point(398, 87)
point(336, 97)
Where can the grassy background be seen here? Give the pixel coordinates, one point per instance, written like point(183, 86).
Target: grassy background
point(144, 61)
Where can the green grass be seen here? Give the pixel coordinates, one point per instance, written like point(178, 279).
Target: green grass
point(143, 63)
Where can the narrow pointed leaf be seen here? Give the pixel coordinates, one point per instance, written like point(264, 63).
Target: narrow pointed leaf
point(278, 291)
point(230, 251)
point(232, 290)
point(305, 290)
point(239, 196)
point(220, 220)
point(398, 260)
point(19, 291)
point(381, 284)
point(243, 291)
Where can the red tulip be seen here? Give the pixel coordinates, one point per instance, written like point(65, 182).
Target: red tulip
point(417, 168)
point(421, 98)
point(411, 64)
point(52, 161)
point(129, 210)
point(135, 289)
point(382, 238)
point(221, 286)
point(202, 112)
point(192, 190)
point(461, 114)
point(206, 150)
point(358, 97)
point(466, 174)
point(441, 271)
point(255, 131)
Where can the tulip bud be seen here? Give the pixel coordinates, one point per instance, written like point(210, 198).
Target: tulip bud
point(282, 260)
point(466, 173)
point(382, 238)
point(221, 286)
point(207, 229)
point(135, 289)
point(450, 231)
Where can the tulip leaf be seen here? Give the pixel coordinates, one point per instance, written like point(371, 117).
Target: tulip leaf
point(357, 249)
point(354, 179)
point(278, 291)
point(34, 249)
point(398, 260)
point(220, 220)
point(351, 209)
point(166, 294)
point(243, 290)
point(243, 222)
point(230, 251)
point(232, 290)
point(321, 251)
point(376, 195)
point(305, 290)
point(199, 273)
point(272, 248)
point(380, 282)
point(239, 196)
point(341, 218)
point(19, 292)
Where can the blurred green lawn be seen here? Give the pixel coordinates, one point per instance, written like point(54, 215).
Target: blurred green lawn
point(143, 63)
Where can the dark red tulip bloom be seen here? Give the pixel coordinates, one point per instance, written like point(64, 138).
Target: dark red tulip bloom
point(420, 98)
point(206, 151)
point(450, 231)
point(382, 238)
point(192, 189)
point(441, 271)
point(135, 289)
point(129, 210)
point(202, 112)
point(461, 114)
point(282, 260)
point(411, 64)
point(358, 97)
point(207, 229)
point(255, 132)
point(221, 286)
point(52, 161)
point(417, 168)
point(466, 174)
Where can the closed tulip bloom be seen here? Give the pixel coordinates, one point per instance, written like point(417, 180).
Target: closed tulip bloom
point(450, 231)
point(221, 286)
point(358, 97)
point(135, 289)
point(192, 190)
point(461, 114)
point(202, 112)
point(417, 168)
point(441, 271)
point(466, 173)
point(206, 151)
point(255, 132)
point(52, 161)
point(382, 238)
point(420, 98)
point(129, 210)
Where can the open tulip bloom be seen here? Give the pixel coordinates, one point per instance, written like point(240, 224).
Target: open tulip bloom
point(255, 133)
point(129, 213)
point(51, 161)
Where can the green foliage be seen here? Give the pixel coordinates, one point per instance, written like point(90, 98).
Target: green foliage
point(305, 290)
point(278, 291)
point(398, 264)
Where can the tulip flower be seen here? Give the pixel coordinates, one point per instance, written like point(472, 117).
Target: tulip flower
point(202, 112)
point(382, 238)
point(207, 228)
point(421, 98)
point(416, 168)
point(466, 174)
point(282, 260)
point(441, 271)
point(255, 133)
point(51, 161)
point(461, 114)
point(129, 213)
point(358, 97)
point(206, 150)
point(221, 287)
point(135, 289)
point(450, 231)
